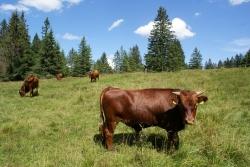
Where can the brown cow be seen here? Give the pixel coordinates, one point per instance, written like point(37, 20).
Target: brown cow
point(59, 76)
point(170, 109)
point(30, 84)
point(93, 75)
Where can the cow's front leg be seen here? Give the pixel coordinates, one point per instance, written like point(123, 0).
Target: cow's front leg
point(31, 93)
point(173, 140)
point(176, 140)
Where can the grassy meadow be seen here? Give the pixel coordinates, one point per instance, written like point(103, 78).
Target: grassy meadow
point(60, 127)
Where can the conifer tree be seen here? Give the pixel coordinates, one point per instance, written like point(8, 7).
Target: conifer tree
point(3, 48)
point(36, 49)
point(118, 59)
point(238, 60)
point(232, 62)
point(20, 61)
point(102, 64)
point(125, 64)
point(227, 63)
point(209, 64)
point(84, 57)
point(195, 60)
point(246, 60)
point(176, 58)
point(51, 58)
point(159, 42)
point(220, 64)
point(70, 58)
point(135, 59)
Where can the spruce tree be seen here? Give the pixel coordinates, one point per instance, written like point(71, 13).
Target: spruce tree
point(20, 59)
point(195, 60)
point(209, 64)
point(102, 64)
point(36, 49)
point(3, 48)
point(227, 63)
point(77, 68)
point(51, 59)
point(176, 58)
point(117, 61)
point(119, 64)
point(135, 59)
point(247, 59)
point(220, 64)
point(125, 64)
point(70, 58)
point(159, 42)
point(84, 57)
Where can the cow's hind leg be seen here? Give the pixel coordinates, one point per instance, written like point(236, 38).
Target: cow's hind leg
point(101, 130)
point(31, 93)
point(137, 127)
point(108, 130)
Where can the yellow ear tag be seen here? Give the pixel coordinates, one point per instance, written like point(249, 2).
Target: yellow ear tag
point(201, 102)
point(174, 102)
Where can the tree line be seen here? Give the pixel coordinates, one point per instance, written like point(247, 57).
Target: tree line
point(19, 56)
point(239, 60)
point(43, 56)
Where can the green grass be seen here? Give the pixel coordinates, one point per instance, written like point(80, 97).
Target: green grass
point(61, 126)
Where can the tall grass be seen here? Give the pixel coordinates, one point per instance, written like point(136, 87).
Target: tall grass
point(60, 127)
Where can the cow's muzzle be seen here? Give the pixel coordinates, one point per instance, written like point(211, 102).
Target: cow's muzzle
point(190, 121)
point(22, 93)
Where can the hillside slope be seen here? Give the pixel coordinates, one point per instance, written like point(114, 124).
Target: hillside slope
point(60, 127)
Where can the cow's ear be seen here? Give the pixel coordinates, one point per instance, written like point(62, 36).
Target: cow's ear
point(202, 99)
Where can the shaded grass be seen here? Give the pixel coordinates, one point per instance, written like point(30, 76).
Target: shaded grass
point(60, 127)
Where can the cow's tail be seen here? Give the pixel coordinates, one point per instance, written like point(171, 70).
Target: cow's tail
point(102, 114)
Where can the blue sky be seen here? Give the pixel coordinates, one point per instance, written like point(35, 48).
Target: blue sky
point(218, 28)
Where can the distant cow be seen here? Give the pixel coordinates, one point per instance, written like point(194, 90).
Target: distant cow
point(93, 75)
point(59, 76)
point(170, 109)
point(30, 84)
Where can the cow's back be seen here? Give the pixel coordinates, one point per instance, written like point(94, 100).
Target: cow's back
point(137, 105)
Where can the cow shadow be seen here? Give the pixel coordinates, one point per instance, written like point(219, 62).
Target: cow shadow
point(157, 141)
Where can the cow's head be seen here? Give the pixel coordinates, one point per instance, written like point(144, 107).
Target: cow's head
point(24, 88)
point(189, 101)
point(22, 91)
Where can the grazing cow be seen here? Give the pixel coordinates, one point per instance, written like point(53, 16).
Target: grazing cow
point(93, 75)
point(30, 84)
point(170, 109)
point(59, 76)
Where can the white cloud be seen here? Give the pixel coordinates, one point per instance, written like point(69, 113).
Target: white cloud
point(45, 6)
point(240, 45)
point(42, 5)
point(242, 42)
point(110, 61)
point(145, 30)
point(115, 24)
point(238, 2)
point(181, 29)
point(10, 7)
point(71, 37)
point(73, 2)
point(197, 13)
